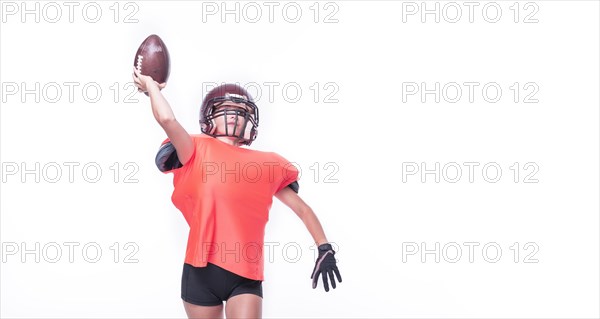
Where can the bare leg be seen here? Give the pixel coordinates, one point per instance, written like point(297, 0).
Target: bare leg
point(203, 312)
point(244, 306)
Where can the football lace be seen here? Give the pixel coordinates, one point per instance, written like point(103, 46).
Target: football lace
point(139, 63)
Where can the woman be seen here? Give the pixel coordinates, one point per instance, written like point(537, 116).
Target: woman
point(225, 192)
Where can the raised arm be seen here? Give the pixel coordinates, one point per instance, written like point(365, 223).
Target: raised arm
point(163, 114)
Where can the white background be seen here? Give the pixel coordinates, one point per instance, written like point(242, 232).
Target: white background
point(364, 205)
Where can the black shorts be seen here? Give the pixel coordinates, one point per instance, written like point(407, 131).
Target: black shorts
point(211, 285)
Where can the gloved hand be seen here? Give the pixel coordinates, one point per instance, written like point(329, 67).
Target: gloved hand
point(325, 265)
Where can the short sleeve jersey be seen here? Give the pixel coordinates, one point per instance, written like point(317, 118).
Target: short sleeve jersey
point(225, 193)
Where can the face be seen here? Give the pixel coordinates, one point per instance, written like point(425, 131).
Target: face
point(228, 122)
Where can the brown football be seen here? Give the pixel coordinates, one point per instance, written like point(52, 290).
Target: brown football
point(152, 58)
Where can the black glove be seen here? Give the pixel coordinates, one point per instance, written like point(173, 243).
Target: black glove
point(325, 265)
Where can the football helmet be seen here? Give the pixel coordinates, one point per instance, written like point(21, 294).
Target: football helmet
point(214, 106)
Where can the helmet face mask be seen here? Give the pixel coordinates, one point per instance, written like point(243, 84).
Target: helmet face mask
point(215, 108)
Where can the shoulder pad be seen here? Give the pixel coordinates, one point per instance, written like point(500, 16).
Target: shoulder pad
point(166, 158)
point(295, 186)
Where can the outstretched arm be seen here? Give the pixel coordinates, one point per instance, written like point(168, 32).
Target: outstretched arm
point(306, 214)
point(325, 265)
point(163, 114)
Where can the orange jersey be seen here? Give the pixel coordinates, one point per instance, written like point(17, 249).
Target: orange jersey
point(225, 193)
